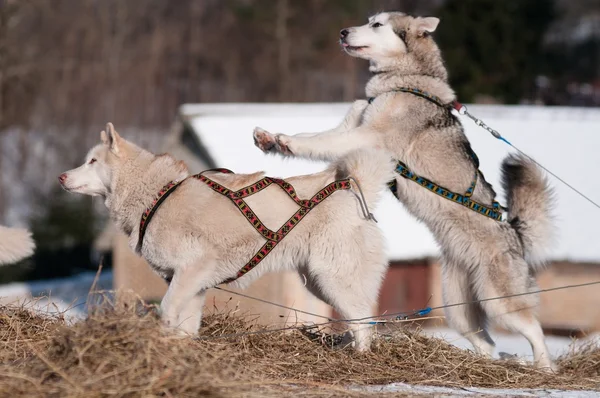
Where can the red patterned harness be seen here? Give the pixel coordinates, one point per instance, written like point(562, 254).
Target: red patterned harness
point(237, 197)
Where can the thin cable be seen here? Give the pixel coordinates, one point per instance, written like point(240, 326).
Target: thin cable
point(491, 299)
point(276, 304)
point(398, 314)
point(554, 175)
point(462, 110)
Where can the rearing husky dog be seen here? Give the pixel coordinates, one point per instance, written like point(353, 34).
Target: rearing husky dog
point(481, 257)
point(197, 238)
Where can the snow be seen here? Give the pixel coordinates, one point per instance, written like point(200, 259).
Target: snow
point(514, 344)
point(563, 139)
point(472, 391)
point(65, 296)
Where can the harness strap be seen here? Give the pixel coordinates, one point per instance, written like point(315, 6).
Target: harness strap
point(273, 237)
point(237, 197)
point(163, 194)
point(420, 93)
point(494, 212)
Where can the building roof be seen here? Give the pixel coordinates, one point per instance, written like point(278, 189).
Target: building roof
point(565, 140)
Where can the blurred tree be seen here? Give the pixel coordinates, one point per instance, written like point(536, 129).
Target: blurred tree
point(572, 55)
point(494, 47)
point(64, 232)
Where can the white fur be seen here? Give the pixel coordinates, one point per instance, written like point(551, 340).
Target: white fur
point(373, 42)
point(198, 238)
point(15, 245)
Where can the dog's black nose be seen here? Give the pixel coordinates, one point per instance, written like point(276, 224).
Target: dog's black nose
point(344, 33)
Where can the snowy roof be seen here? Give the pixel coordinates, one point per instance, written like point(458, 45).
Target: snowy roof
point(565, 140)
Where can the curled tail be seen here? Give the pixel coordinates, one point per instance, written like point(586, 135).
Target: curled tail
point(530, 202)
point(15, 245)
point(371, 168)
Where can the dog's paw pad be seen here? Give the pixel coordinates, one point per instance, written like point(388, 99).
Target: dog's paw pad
point(264, 140)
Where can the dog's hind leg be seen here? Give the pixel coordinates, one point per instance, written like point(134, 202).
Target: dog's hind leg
point(352, 304)
point(353, 296)
point(518, 314)
point(469, 319)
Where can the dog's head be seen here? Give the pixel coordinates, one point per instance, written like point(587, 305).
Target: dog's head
point(94, 177)
point(389, 36)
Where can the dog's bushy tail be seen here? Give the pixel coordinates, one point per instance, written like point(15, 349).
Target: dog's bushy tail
point(15, 245)
point(371, 168)
point(530, 203)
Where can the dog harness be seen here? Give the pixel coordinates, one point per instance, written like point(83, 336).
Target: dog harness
point(494, 212)
point(237, 197)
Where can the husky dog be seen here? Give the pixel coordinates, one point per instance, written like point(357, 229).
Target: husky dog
point(481, 257)
point(197, 238)
point(15, 245)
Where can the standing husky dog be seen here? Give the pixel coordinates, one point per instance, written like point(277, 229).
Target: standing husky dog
point(481, 257)
point(197, 238)
point(15, 245)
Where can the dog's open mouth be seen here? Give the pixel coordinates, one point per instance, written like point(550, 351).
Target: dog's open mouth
point(70, 189)
point(348, 47)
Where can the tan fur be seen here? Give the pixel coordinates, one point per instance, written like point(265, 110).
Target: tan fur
point(236, 181)
point(527, 198)
point(15, 245)
point(198, 238)
point(481, 257)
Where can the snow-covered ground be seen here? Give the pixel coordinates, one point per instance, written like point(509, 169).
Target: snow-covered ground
point(415, 390)
point(66, 295)
point(514, 344)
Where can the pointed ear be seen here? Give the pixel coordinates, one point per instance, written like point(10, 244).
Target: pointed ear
point(114, 139)
point(426, 25)
point(103, 137)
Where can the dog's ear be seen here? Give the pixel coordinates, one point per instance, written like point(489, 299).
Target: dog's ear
point(427, 25)
point(103, 137)
point(111, 138)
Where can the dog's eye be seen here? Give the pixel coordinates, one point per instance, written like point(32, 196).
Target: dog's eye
point(376, 25)
point(92, 161)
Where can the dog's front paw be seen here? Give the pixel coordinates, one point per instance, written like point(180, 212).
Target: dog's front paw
point(264, 140)
point(272, 143)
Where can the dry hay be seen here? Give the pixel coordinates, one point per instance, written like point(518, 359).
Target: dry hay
point(19, 328)
point(122, 351)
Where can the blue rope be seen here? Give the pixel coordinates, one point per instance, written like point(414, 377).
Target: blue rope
point(405, 316)
point(505, 140)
